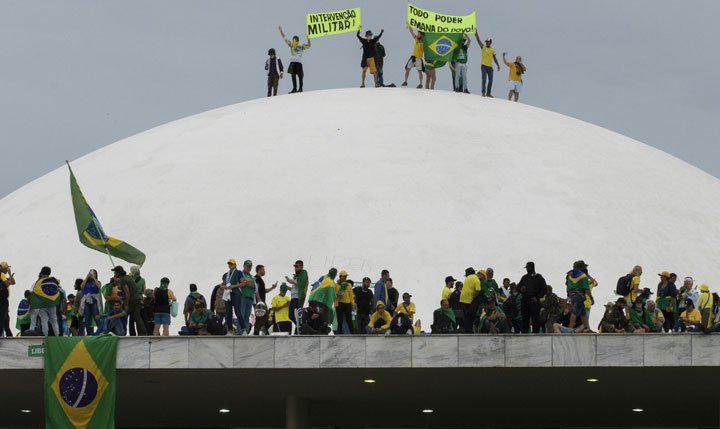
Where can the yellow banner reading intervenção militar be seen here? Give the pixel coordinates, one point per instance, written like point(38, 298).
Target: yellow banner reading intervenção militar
point(432, 22)
point(327, 23)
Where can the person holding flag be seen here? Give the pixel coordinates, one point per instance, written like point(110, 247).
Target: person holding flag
point(324, 293)
point(295, 68)
point(368, 57)
point(416, 59)
point(44, 300)
point(488, 56)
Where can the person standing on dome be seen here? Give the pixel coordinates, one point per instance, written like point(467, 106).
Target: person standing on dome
point(460, 61)
point(488, 56)
point(416, 59)
point(295, 68)
point(368, 56)
point(274, 67)
point(517, 69)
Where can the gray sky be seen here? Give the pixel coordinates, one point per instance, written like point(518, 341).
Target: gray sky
point(78, 75)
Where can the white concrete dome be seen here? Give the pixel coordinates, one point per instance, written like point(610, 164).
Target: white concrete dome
point(422, 183)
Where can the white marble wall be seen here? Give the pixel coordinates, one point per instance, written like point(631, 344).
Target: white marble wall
point(440, 351)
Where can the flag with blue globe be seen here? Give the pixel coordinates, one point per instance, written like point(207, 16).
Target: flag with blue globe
point(80, 382)
point(441, 46)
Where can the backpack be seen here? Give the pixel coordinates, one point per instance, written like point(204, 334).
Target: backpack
point(510, 307)
point(379, 50)
point(219, 301)
point(623, 285)
point(215, 326)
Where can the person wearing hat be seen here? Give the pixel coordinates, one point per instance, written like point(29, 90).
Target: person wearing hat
point(368, 55)
point(639, 317)
point(281, 309)
point(690, 320)
point(163, 297)
point(274, 67)
point(132, 300)
point(705, 305)
point(231, 293)
point(615, 319)
point(488, 56)
point(533, 288)
point(6, 274)
point(406, 307)
point(448, 289)
point(470, 291)
point(344, 303)
point(667, 300)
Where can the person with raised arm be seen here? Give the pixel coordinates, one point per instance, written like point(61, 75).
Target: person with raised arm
point(295, 68)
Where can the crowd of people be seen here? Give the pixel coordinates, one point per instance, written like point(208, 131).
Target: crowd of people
point(373, 59)
point(239, 305)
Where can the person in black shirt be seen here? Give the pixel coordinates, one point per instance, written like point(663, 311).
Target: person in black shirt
point(260, 272)
point(533, 287)
point(315, 322)
point(363, 302)
point(454, 301)
point(393, 296)
point(274, 67)
point(368, 58)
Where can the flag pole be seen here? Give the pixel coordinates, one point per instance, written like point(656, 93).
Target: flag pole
point(102, 236)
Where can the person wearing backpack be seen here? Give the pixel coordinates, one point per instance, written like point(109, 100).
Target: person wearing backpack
point(163, 297)
point(217, 303)
point(628, 286)
point(191, 300)
point(379, 62)
point(533, 288)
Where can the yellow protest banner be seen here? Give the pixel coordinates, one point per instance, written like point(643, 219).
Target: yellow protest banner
point(428, 21)
point(328, 23)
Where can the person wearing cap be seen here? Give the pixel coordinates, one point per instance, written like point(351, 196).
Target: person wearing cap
point(274, 67)
point(615, 319)
point(639, 317)
point(470, 291)
point(368, 55)
point(517, 69)
point(344, 303)
point(298, 291)
point(231, 293)
point(448, 289)
point(163, 297)
point(690, 320)
point(705, 306)
point(656, 316)
point(416, 59)
point(667, 300)
point(363, 304)
point(248, 294)
point(444, 321)
point(578, 287)
point(133, 301)
point(7, 279)
point(281, 308)
point(406, 307)
point(533, 288)
point(380, 320)
point(6, 274)
point(488, 56)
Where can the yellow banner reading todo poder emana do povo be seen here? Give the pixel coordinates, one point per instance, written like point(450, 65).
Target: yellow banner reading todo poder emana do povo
point(428, 21)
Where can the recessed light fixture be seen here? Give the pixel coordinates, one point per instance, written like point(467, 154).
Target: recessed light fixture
point(26, 411)
point(369, 380)
point(592, 380)
point(638, 410)
point(224, 410)
point(428, 411)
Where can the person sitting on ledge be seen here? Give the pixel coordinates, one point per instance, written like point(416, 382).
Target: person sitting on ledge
point(314, 321)
point(690, 319)
point(197, 320)
point(444, 321)
point(615, 319)
point(379, 321)
point(562, 326)
point(492, 319)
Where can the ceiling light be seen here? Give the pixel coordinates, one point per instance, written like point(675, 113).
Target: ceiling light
point(26, 411)
point(592, 380)
point(428, 411)
point(224, 410)
point(369, 380)
point(638, 410)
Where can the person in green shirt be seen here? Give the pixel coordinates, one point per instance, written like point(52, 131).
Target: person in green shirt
point(248, 295)
point(140, 283)
point(492, 319)
point(640, 318)
point(132, 303)
point(298, 291)
point(460, 61)
point(488, 285)
point(197, 322)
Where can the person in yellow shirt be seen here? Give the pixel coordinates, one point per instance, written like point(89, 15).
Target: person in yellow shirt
point(416, 59)
point(488, 56)
point(470, 290)
point(406, 306)
point(517, 69)
point(281, 309)
point(690, 319)
point(379, 321)
point(634, 284)
point(448, 289)
point(344, 303)
point(705, 305)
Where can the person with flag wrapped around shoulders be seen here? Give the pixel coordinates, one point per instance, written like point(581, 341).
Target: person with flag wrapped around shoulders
point(324, 292)
point(578, 287)
point(90, 301)
point(22, 322)
point(44, 300)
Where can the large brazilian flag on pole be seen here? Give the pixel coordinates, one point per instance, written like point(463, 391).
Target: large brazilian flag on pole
point(80, 382)
point(91, 232)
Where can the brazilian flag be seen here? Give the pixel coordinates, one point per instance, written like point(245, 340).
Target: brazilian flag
point(441, 46)
point(80, 382)
point(91, 232)
point(45, 293)
point(23, 314)
point(323, 291)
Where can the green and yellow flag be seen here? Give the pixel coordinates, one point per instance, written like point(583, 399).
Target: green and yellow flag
point(91, 232)
point(441, 47)
point(323, 291)
point(80, 382)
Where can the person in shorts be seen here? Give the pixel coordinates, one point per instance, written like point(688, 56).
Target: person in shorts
point(517, 69)
point(368, 58)
point(416, 59)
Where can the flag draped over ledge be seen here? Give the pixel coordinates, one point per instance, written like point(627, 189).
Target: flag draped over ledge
point(91, 233)
point(80, 382)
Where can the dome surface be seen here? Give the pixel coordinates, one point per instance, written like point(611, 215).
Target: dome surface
point(423, 183)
